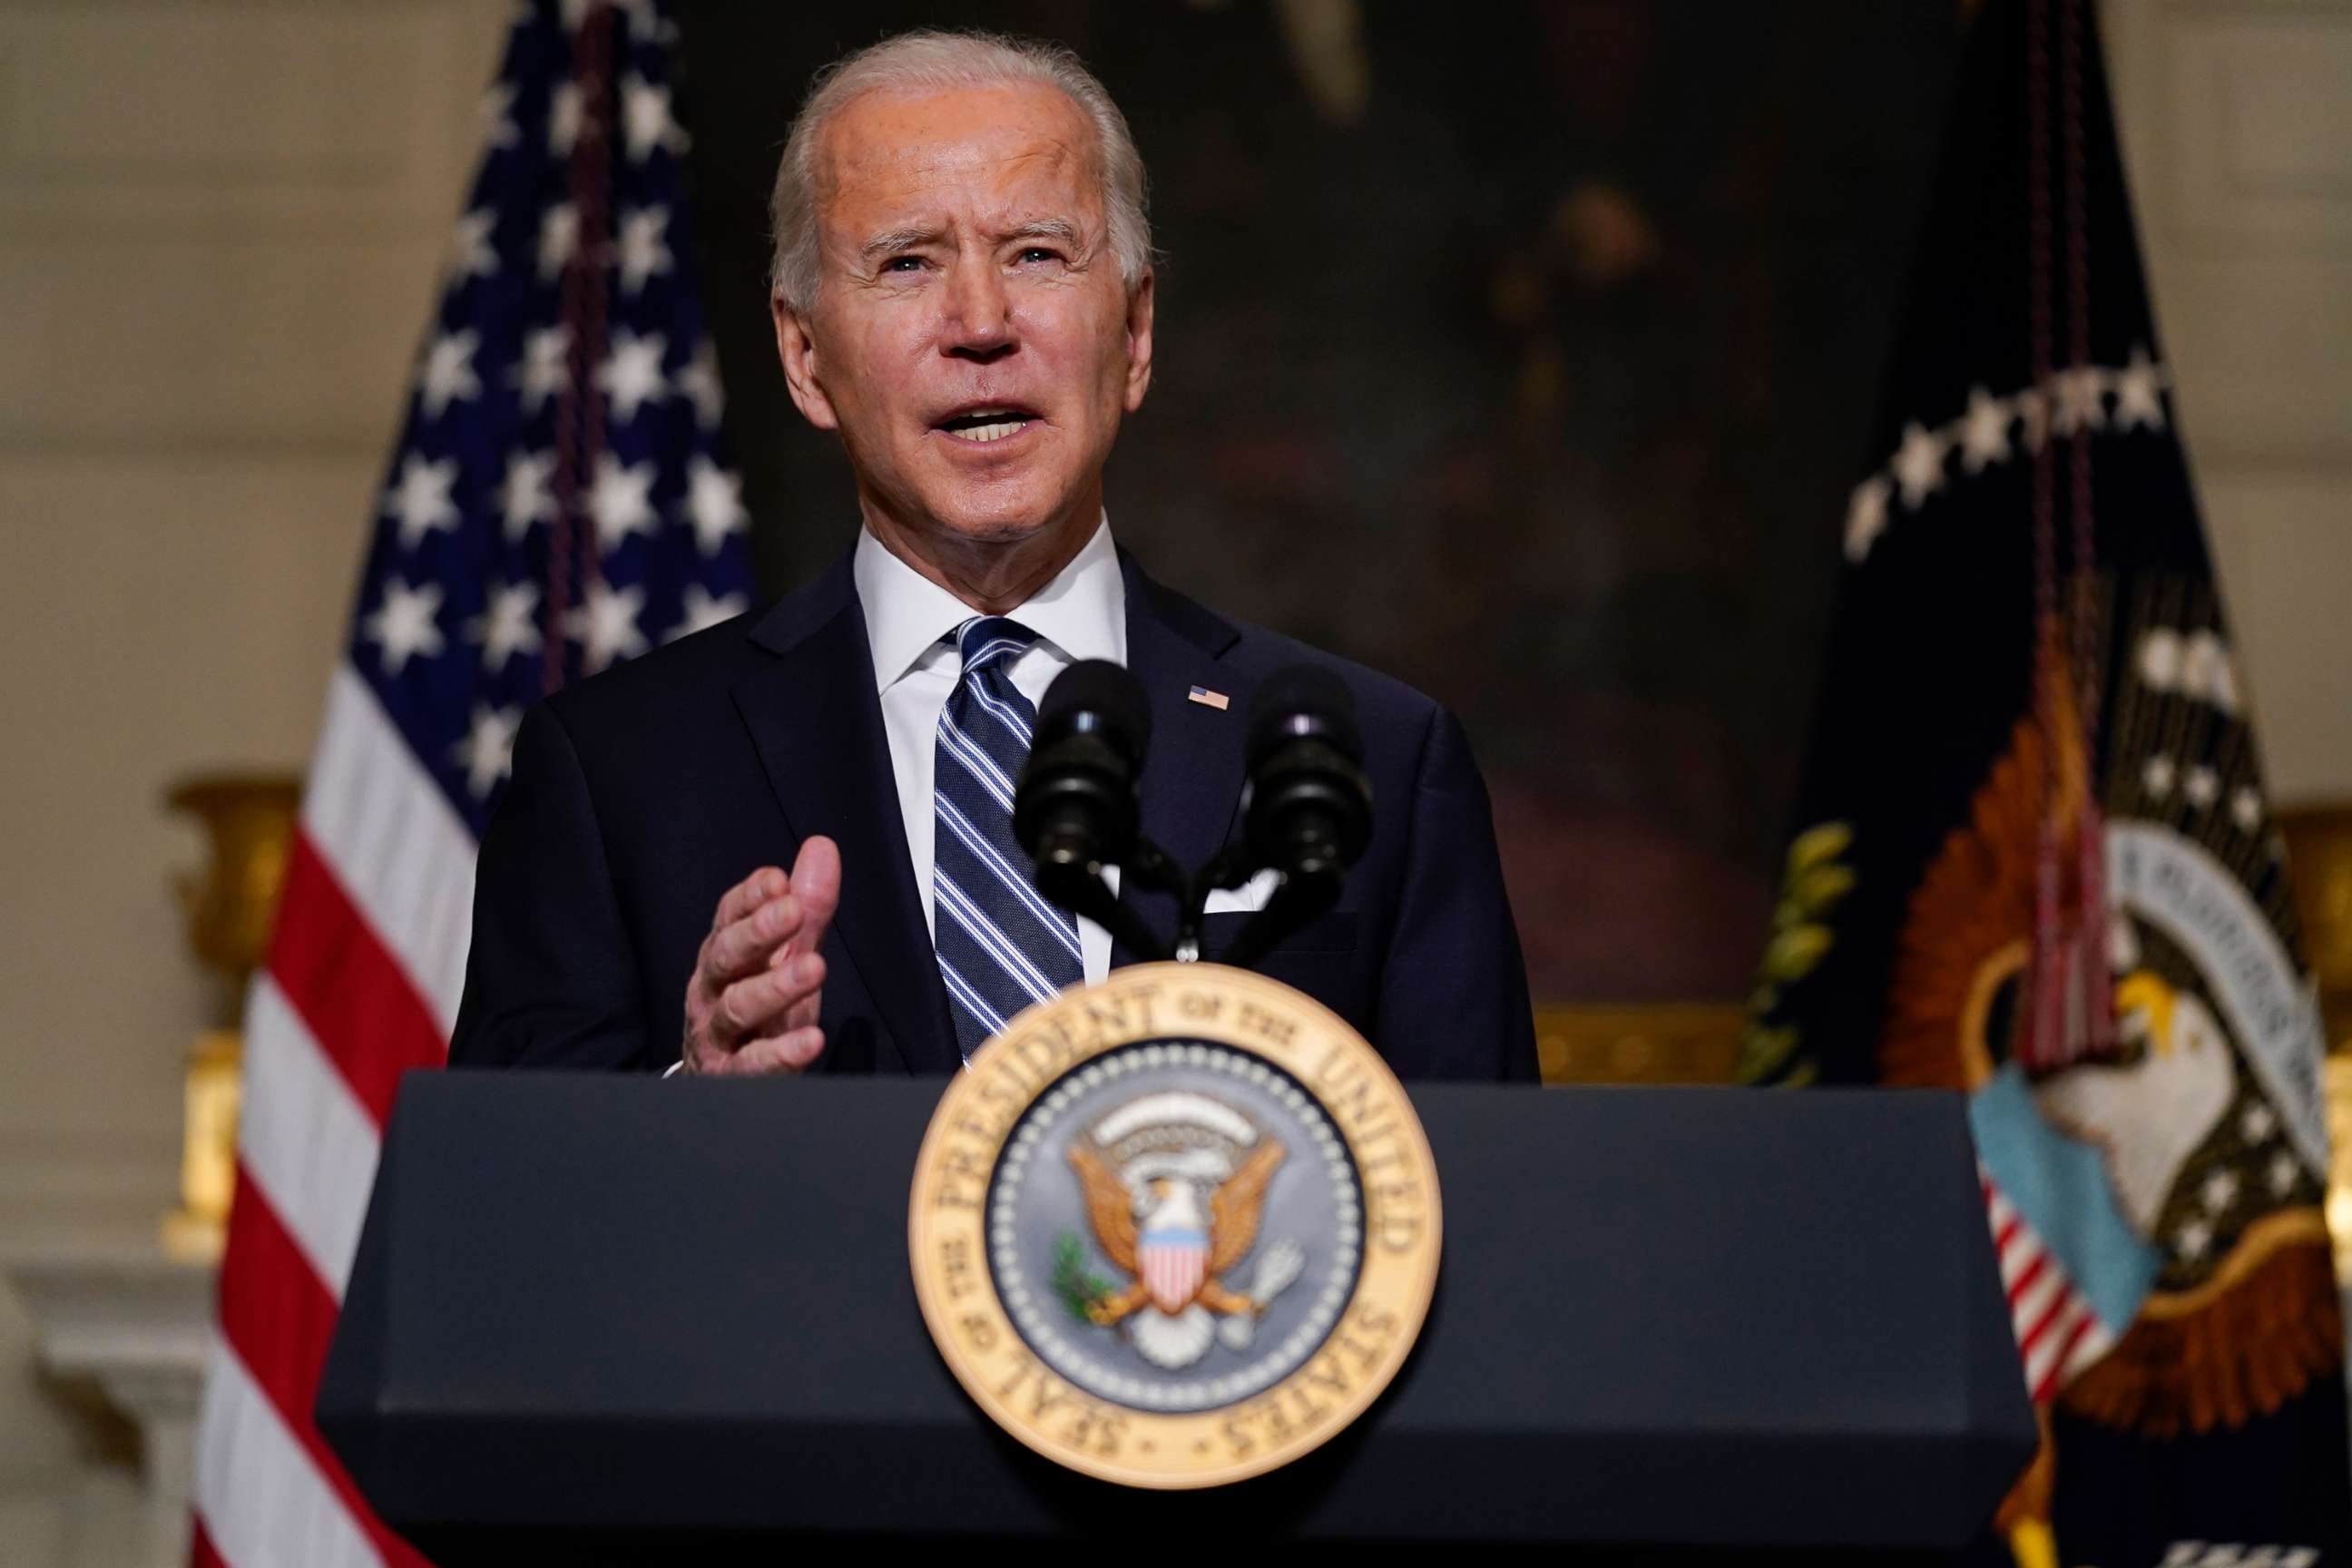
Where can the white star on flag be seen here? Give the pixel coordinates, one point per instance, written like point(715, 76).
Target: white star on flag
point(509, 625)
point(699, 382)
point(449, 371)
point(420, 498)
point(1920, 464)
point(639, 16)
point(2219, 1189)
point(2258, 1123)
point(2082, 394)
point(605, 625)
point(2032, 417)
point(703, 611)
point(559, 237)
point(632, 374)
point(1865, 518)
point(646, 118)
point(2140, 394)
point(643, 253)
point(487, 752)
point(2221, 690)
point(406, 622)
point(546, 364)
point(563, 119)
point(526, 497)
point(2156, 778)
point(2281, 1175)
point(2204, 788)
point(621, 501)
point(2206, 671)
point(2246, 809)
point(714, 502)
point(498, 116)
point(1984, 430)
point(471, 254)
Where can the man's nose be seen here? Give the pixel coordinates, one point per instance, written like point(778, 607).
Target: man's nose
point(977, 313)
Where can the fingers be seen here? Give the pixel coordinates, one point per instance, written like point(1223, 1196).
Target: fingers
point(817, 878)
point(751, 943)
point(757, 991)
point(790, 1052)
point(768, 918)
point(816, 883)
point(758, 1004)
point(748, 895)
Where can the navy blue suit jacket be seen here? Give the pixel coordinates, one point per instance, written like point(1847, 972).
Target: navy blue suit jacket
point(638, 797)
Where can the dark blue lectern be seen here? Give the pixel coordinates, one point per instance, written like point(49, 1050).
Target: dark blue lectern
point(626, 1319)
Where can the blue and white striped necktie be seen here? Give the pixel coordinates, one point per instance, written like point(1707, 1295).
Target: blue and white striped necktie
point(1001, 945)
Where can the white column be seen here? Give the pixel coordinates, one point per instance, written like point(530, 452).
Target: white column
point(131, 1323)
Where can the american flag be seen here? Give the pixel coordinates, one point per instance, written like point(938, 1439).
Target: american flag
point(2057, 1324)
point(559, 501)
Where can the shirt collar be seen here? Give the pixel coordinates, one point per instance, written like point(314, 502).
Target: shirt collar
point(1082, 611)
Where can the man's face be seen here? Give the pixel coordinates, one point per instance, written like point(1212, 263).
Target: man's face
point(971, 339)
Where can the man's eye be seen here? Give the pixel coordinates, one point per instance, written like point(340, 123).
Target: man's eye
point(1039, 253)
point(903, 264)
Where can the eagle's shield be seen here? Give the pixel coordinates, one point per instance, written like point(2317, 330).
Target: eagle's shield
point(1173, 1262)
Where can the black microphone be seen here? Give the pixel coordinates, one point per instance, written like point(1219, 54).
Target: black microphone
point(1308, 812)
point(1074, 808)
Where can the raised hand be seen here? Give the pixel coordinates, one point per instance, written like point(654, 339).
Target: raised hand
point(751, 1004)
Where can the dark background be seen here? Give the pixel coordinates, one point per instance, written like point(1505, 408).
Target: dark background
point(1526, 351)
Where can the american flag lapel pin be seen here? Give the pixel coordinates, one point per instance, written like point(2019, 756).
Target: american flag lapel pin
point(1208, 699)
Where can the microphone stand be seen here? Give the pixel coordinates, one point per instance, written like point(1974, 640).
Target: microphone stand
point(1229, 869)
point(1077, 886)
point(1304, 891)
point(1297, 900)
point(1069, 872)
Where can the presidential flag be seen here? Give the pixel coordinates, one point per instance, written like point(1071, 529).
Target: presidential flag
point(2035, 859)
point(559, 499)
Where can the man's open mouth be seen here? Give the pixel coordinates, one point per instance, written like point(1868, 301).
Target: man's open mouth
point(985, 424)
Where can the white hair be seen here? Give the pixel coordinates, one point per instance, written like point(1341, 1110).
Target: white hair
point(932, 60)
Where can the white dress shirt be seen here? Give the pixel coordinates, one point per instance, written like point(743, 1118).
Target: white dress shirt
point(1081, 614)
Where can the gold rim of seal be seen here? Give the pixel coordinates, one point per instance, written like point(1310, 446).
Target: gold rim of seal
point(1334, 1385)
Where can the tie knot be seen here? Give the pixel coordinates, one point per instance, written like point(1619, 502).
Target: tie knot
point(990, 642)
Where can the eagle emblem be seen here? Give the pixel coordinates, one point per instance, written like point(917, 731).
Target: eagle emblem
point(1166, 1237)
point(1175, 1186)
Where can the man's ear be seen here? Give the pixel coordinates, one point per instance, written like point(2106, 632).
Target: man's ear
point(796, 347)
point(1138, 342)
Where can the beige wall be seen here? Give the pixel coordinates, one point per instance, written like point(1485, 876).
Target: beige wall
point(219, 224)
point(2237, 120)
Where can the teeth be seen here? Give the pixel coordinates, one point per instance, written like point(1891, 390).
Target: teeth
point(996, 432)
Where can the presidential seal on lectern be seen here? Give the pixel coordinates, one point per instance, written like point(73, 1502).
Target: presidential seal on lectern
point(1175, 1229)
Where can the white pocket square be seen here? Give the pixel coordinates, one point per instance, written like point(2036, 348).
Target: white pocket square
point(1245, 899)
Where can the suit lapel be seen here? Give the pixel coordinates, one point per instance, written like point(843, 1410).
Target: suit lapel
point(1192, 777)
point(816, 721)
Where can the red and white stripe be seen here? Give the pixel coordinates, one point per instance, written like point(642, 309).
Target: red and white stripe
point(362, 982)
point(2058, 1334)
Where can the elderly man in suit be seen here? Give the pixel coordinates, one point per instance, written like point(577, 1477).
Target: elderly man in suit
point(963, 294)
